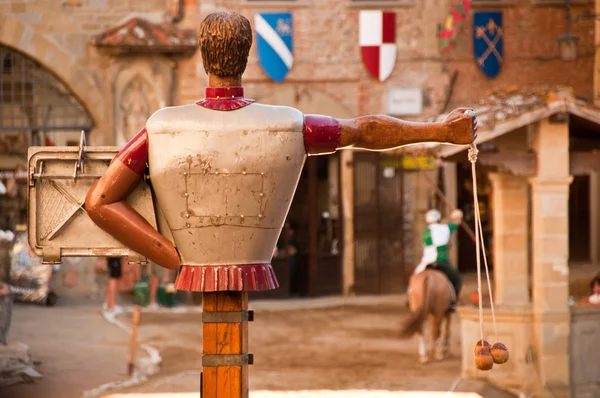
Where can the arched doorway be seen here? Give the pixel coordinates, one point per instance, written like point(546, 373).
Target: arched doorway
point(36, 108)
point(315, 212)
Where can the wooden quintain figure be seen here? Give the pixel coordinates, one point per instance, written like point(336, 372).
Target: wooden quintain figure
point(224, 171)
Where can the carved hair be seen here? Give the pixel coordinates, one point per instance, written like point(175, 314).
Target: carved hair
point(225, 39)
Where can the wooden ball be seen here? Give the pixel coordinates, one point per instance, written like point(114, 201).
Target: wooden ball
point(499, 353)
point(484, 360)
point(479, 346)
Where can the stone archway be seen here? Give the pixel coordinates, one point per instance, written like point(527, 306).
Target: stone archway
point(58, 61)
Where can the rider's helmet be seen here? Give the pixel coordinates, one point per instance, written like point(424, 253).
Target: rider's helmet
point(432, 216)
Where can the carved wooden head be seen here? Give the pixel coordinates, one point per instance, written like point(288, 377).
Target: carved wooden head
point(225, 39)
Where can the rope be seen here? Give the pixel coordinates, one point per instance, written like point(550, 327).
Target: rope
point(473, 152)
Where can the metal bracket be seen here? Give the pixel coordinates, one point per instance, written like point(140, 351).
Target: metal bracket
point(79, 162)
point(227, 316)
point(37, 171)
point(51, 255)
point(227, 360)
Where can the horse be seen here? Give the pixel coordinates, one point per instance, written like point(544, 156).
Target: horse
point(430, 294)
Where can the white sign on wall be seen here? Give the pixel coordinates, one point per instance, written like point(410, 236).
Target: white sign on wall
point(405, 101)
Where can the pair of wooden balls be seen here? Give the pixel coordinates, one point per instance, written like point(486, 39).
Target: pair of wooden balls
point(487, 355)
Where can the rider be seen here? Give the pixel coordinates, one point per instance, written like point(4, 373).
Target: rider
point(435, 247)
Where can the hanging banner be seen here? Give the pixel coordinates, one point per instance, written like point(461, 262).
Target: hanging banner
point(488, 42)
point(377, 40)
point(274, 43)
point(449, 30)
point(408, 162)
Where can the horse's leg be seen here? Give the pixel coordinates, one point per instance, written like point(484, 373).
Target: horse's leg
point(448, 322)
point(438, 353)
point(423, 359)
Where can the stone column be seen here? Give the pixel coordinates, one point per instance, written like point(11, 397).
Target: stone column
point(550, 235)
point(597, 57)
point(511, 271)
point(347, 198)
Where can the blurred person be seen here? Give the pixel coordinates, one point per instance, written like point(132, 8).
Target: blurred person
point(115, 271)
point(156, 276)
point(287, 246)
point(436, 239)
point(594, 298)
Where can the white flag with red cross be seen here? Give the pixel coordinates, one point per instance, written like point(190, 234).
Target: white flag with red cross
point(377, 39)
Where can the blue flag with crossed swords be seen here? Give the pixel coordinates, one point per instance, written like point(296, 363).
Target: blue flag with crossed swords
point(488, 41)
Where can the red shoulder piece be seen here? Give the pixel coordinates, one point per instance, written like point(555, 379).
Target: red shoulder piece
point(322, 134)
point(135, 154)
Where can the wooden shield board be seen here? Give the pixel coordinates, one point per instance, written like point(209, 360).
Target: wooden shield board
point(58, 225)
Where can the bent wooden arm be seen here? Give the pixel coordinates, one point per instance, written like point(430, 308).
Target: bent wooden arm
point(381, 132)
point(106, 206)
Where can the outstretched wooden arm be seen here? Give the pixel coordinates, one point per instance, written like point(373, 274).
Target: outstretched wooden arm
point(380, 132)
point(106, 206)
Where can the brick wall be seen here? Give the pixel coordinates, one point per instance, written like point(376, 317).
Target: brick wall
point(530, 53)
point(326, 51)
point(327, 55)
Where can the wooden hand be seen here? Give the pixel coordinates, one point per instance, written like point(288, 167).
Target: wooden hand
point(463, 125)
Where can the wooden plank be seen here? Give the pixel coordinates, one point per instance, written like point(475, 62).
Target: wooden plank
point(229, 381)
point(516, 163)
point(524, 164)
point(209, 346)
point(225, 339)
point(584, 162)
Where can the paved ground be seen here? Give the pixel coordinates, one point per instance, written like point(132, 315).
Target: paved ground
point(78, 349)
point(322, 344)
point(319, 394)
point(342, 348)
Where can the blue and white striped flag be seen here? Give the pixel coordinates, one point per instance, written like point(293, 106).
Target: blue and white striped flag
point(274, 41)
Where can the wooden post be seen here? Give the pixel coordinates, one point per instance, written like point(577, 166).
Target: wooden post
point(347, 218)
point(225, 357)
point(133, 342)
point(313, 224)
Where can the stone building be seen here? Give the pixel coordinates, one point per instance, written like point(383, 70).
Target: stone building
point(105, 65)
point(539, 160)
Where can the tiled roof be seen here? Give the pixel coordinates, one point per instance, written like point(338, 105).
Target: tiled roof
point(512, 102)
point(138, 34)
point(508, 109)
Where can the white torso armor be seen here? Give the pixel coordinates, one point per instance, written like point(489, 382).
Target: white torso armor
point(224, 180)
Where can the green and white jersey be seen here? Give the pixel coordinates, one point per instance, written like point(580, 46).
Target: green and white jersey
point(435, 244)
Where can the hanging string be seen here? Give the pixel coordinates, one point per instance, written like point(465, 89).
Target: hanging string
point(487, 274)
point(473, 158)
point(473, 152)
